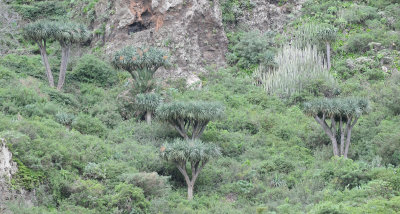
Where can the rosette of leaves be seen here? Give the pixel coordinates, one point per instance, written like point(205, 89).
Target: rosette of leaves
point(190, 118)
point(65, 119)
point(141, 63)
point(148, 103)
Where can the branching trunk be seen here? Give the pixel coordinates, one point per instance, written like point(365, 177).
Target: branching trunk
point(350, 125)
point(64, 62)
point(330, 131)
point(328, 54)
point(43, 54)
point(196, 169)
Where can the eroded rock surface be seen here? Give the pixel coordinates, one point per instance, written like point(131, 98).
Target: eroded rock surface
point(270, 15)
point(191, 30)
point(7, 169)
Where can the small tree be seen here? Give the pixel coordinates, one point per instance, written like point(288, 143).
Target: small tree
point(196, 153)
point(148, 103)
point(141, 63)
point(190, 118)
point(68, 34)
point(40, 32)
point(343, 114)
point(327, 34)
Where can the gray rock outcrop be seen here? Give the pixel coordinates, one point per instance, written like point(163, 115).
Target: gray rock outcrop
point(190, 30)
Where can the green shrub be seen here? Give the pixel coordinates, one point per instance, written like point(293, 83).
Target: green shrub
point(249, 49)
point(40, 9)
point(25, 177)
point(344, 173)
point(89, 194)
point(62, 98)
point(6, 74)
point(129, 199)
point(357, 14)
point(94, 171)
point(232, 10)
point(153, 185)
point(86, 124)
point(25, 65)
point(64, 118)
point(91, 69)
point(388, 142)
point(358, 43)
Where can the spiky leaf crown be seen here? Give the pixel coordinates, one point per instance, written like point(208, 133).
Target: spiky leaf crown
point(132, 58)
point(192, 110)
point(337, 107)
point(189, 150)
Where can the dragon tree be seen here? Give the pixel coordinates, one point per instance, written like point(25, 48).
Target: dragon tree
point(66, 33)
point(141, 63)
point(196, 153)
point(342, 114)
point(148, 103)
point(190, 118)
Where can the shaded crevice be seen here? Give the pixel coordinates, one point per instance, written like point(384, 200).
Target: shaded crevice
point(136, 27)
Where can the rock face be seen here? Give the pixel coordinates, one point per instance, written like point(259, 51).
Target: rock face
point(191, 30)
point(7, 169)
point(269, 15)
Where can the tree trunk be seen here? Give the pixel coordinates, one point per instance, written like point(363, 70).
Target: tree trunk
point(328, 54)
point(333, 138)
point(342, 134)
point(190, 192)
point(63, 67)
point(148, 117)
point(43, 54)
point(335, 146)
point(330, 131)
point(346, 151)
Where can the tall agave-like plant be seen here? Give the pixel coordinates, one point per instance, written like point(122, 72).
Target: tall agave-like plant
point(295, 67)
point(148, 103)
point(316, 34)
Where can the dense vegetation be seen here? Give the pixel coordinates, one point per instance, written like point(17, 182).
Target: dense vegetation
point(236, 145)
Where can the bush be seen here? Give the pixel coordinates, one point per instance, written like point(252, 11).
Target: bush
point(153, 185)
point(130, 199)
point(358, 14)
point(64, 118)
point(6, 74)
point(249, 49)
point(344, 173)
point(90, 69)
point(40, 9)
point(388, 142)
point(86, 124)
point(89, 194)
point(358, 43)
point(25, 65)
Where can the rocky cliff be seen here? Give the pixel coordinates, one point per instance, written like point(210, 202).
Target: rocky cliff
point(7, 169)
point(191, 30)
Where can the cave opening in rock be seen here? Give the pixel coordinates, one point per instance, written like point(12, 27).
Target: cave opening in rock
point(136, 27)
